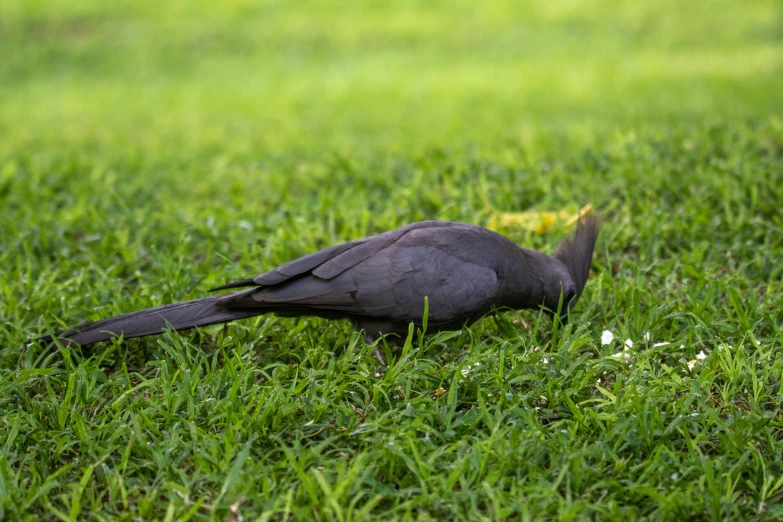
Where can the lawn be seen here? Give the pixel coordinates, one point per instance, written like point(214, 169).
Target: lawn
point(152, 150)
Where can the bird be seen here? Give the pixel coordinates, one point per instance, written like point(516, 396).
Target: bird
point(464, 272)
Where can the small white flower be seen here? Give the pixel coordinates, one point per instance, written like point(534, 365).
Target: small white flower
point(691, 364)
point(647, 337)
point(622, 356)
point(545, 360)
point(628, 344)
point(607, 337)
point(465, 371)
point(701, 355)
point(656, 345)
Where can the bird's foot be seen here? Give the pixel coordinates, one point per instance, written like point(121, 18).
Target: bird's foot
point(370, 339)
point(378, 355)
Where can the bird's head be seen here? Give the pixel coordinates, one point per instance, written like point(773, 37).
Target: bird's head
point(575, 255)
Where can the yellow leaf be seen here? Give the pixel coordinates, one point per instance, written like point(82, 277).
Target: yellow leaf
point(537, 221)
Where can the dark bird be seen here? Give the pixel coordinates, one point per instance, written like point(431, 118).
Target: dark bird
point(380, 282)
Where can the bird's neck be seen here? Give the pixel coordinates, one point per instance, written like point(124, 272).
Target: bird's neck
point(527, 279)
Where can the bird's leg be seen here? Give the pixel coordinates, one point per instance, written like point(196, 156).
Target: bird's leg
point(377, 351)
point(379, 356)
point(372, 331)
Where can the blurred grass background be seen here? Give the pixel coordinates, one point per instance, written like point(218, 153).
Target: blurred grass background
point(269, 76)
point(151, 150)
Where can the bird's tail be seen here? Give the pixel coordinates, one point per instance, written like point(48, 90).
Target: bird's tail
point(177, 316)
point(576, 252)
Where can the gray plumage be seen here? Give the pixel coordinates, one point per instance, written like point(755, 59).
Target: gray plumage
point(380, 283)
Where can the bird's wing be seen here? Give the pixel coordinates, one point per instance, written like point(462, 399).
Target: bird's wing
point(390, 283)
point(333, 261)
point(394, 283)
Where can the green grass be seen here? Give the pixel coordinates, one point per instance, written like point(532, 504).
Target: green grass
point(151, 150)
